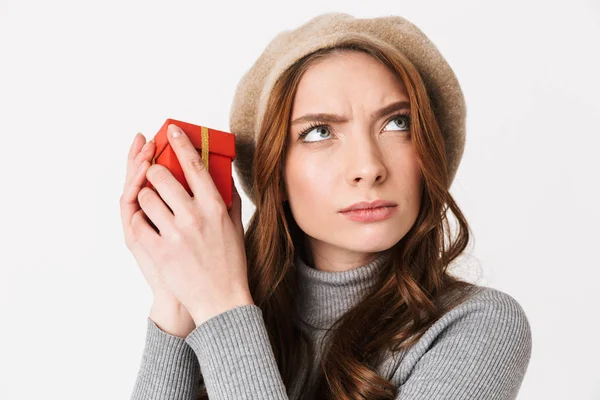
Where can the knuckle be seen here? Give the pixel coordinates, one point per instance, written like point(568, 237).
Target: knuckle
point(176, 239)
point(216, 208)
point(161, 177)
point(221, 208)
point(145, 196)
point(158, 173)
point(191, 222)
point(197, 164)
point(125, 200)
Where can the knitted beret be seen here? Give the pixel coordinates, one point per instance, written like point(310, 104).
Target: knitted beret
point(327, 30)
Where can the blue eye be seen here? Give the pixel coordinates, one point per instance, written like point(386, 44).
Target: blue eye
point(402, 117)
point(323, 129)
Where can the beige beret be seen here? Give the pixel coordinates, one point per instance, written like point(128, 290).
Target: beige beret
point(327, 30)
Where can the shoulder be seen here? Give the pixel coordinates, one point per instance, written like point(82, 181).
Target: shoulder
point(496, 306)
point(483, 343)
point(492, 298)
point(492, 312)
point(489, 326)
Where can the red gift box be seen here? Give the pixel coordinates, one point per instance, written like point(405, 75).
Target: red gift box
point(217, 149)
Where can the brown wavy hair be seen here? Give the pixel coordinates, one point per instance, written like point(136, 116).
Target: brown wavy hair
point(415, 287)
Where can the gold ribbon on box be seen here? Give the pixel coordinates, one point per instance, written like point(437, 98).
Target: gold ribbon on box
point(205, 149)
point(205, 153)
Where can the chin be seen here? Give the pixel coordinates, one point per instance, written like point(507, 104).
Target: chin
point(374, 245)
point(373, 239)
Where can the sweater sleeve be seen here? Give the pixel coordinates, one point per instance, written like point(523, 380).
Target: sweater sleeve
point(169, 368)
point(236, 357)
point(481, 352)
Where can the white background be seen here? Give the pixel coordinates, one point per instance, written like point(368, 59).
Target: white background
point(78, 80)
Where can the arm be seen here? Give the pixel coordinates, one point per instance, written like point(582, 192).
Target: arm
point(481, 352)
point(169, 368)
point(235, 355)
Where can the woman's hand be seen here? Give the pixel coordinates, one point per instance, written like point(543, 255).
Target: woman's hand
point(179, 323)
point(198, 253)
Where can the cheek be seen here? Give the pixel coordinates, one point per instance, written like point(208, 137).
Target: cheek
point(406, 176)
point(307, 182)
point(412, 184)
point(310, 185)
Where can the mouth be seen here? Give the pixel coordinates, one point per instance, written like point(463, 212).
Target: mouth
point(370, 214)
point(369, 205)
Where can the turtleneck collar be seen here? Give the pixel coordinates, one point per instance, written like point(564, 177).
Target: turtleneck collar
point(326, 296)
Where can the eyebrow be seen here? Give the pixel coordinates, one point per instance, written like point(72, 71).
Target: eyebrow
point(333, 118)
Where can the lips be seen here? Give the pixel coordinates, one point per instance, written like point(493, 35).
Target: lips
point(369, 205)
point(370, 214)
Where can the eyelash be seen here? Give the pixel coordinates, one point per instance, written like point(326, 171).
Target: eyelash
point(318, 124)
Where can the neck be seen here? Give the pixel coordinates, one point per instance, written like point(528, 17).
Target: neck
point(325, 296)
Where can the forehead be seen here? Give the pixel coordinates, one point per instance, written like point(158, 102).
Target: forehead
point(342, 81)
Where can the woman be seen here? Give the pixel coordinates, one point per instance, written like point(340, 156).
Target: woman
point(341, 304)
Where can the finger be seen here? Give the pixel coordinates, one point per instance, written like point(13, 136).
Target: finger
point(196, 174)
point(129, 202)
point(170, 190)
point(142, 229)
point(139, 151)
point(145, 154)
point(138, 142)
point(156, 210)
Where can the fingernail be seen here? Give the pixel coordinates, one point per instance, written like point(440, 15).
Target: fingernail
point(175, 131)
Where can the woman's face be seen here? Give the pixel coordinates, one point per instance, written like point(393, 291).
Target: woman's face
point(365, 156)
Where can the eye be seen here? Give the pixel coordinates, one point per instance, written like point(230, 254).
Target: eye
point(404, 121)
point(321, 130)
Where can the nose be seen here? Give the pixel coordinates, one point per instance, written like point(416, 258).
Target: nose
point(365, 162)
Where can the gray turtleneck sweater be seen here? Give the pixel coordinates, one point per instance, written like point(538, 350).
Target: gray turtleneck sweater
point(478, 350)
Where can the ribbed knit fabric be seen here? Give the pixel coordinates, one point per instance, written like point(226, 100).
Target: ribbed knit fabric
point(477, 350)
